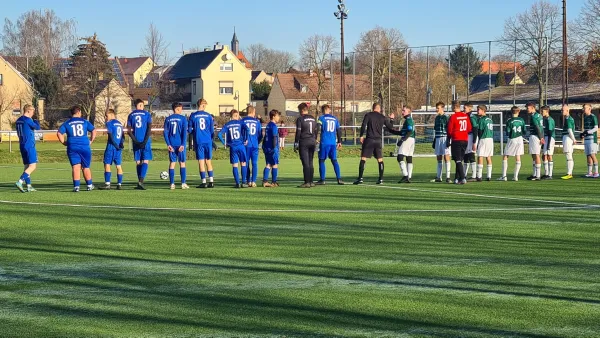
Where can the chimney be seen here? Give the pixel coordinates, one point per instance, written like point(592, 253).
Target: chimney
point(328, 74)
point(207, 49)
point(311, 73)
point(40, 108)
point(218, 46)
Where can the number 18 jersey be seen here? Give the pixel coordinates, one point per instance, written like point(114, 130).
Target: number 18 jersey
point(76, 129)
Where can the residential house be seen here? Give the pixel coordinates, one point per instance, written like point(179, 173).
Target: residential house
point(135, 70)
point(216, 75)
point(15, 92)
point(291, 89)
point(111, 95)
point(259, 76)
point(506, 66)
point(480, 83)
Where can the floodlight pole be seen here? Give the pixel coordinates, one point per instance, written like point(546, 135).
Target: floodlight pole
point(565, 59)
point(342, 14)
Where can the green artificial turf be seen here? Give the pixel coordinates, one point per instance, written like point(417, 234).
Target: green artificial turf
point(489, 259)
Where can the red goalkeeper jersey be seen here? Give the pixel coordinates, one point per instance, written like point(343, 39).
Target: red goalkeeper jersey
point(459, 127)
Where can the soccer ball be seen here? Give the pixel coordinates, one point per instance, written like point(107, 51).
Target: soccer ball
point(164, 175)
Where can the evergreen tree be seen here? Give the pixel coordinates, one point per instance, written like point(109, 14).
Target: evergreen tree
point(465, 61)
point(500, 79)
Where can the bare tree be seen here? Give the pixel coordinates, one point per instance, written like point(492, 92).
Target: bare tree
point(373, 57)
point(157, 49)
point(538, 33)
point(269, 60)
point(39, 33)
point(587, 27)
point(8, 98)
point(315, 56)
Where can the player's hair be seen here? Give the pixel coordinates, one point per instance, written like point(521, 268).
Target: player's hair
point(324, 108)
point(302, 107)
point(515, 110)
point(530, 104)
point(408, 106)
point(27, 107)
point(375, 105)
point(468, 104)
point(545, 108)
point(110, 111)
point(234, 111)
point(587, 104)
point(440, 104)
point(75, 110)
point(137, 101)
point(250, 110)
point(176, 105)
point(482, 107)
point(274, 113)
point(455, 104)
point(201, 101)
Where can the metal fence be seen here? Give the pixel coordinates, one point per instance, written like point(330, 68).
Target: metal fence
point(422, 76)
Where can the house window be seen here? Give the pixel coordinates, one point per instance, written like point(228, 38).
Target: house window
point(1, 83)
point(227, 67)
point(304, 89)
point(226, 87)
point(225, 110)
point(193, 87)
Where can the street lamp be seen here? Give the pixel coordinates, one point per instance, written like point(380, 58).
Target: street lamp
point(342, 14)
point(237, 97)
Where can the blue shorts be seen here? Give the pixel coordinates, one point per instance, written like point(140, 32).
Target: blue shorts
point(113, 156)
point(177, 156)
point(81, 156)
point(237, 154)
point(271, 156)
point(252, 154)
point(328, 151)
point(203, 151)
point(143, 154)
point(29, 155)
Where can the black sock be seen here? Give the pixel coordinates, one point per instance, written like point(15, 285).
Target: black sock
point(361, 169)
point(460, 170)
point(380, 170)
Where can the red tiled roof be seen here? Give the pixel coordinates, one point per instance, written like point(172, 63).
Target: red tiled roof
point(496, 66)
point(291, 86)
point(131, 65)
point(242, 58)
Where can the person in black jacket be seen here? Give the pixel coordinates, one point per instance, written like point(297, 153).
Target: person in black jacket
point(306, 141)
point(371, 134)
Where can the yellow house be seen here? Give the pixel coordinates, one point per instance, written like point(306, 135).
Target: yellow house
point(111, 95)
point(136, 69)
point(216, 75)
point(15, 92)
point(259, 76)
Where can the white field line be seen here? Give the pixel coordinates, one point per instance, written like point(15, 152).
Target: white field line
point(321, 211)
point(485, 196)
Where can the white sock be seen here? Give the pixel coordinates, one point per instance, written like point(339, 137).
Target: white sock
point(210, 179)
point(474, 170)
point(479, 170)
point(448, 169)
point(538, 170)
point(570, 164)
point(410, 169)
point(534, 168)
point(517, 169)
point(550, 168)
point(489, 171)
point(546, 170)
point(29, 186)
point(589, 168)
point(439, 170)
point(504, 167)
point(403, 168)
point(595, 168)
point(466, 165)
point(107, 183)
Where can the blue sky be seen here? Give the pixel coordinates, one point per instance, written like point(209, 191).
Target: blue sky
point(280, 24)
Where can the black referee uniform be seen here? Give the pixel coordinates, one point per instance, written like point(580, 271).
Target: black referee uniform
point(372, 128)
point(306, 142)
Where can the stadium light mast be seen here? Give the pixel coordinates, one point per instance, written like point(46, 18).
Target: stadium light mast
point(565, 58)
point(342, 14)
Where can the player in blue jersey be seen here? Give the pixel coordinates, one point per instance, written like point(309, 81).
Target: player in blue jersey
point(234, 135)
point(78, 146)
point(113, 154)
point(201, 126)
point(270, 147)
point(254, 138)
point(25, 130)
point(175, 133)
point(139, 125)
point(331, 141)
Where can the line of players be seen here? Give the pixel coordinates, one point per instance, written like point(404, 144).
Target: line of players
point(243, 137)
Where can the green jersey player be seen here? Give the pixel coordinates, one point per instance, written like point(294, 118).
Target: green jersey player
point(590, 136)
point(485, 142)
point(568, 140)
point(549, 136)
point(515, 129)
